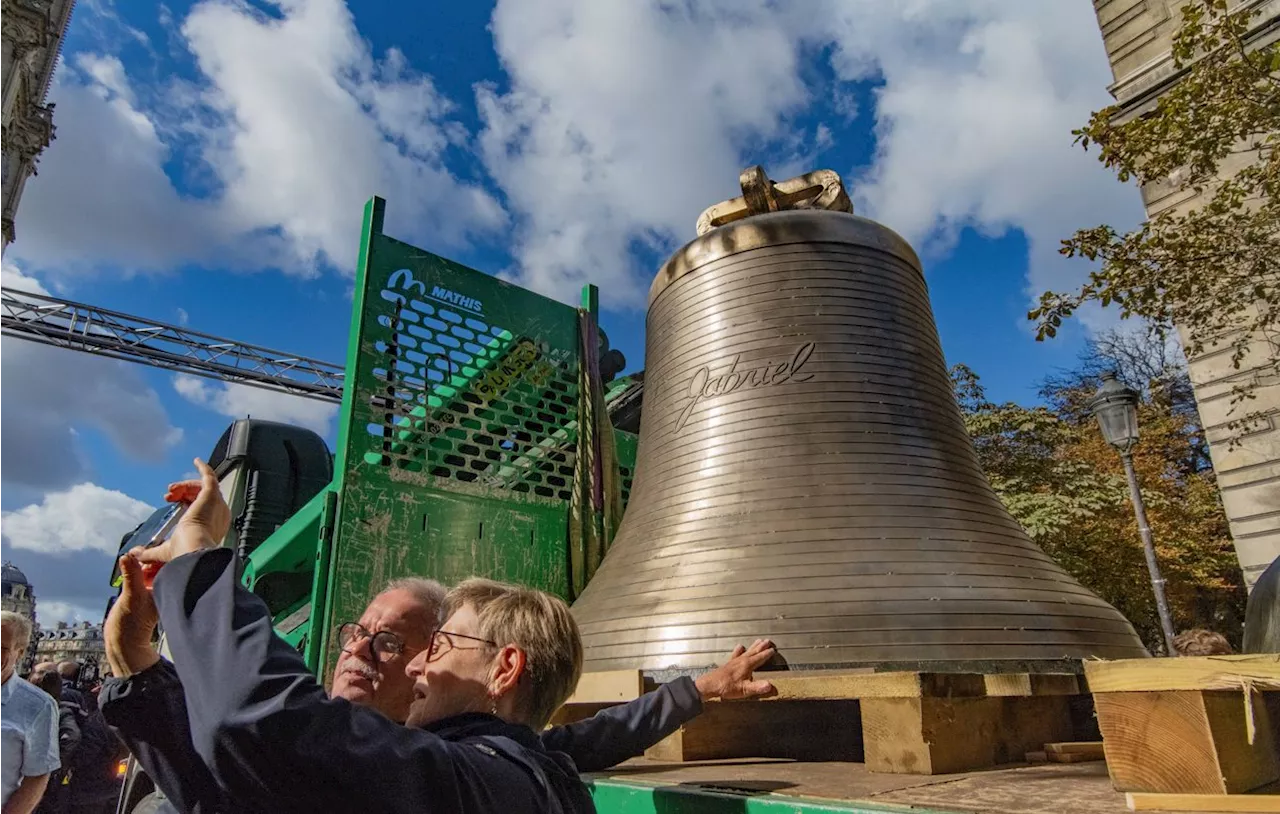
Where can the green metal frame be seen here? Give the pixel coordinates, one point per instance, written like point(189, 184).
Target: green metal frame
point(455, 456)
point(631, 797)
point(457, 434)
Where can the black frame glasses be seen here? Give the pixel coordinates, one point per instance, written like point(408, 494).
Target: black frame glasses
point(434, 651)
point(384, 644)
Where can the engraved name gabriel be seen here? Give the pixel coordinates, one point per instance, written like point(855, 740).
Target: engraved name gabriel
point(705, 386)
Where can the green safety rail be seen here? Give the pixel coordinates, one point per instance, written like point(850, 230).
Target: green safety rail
point(457, 438)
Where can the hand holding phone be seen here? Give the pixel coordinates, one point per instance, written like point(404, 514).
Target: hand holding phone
point(179, 508)
point(204, 524)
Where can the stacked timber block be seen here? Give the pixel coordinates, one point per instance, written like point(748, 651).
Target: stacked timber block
point(900, 722)
point(1198, 725)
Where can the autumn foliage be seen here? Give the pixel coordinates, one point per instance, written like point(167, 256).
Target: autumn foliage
point(1067, 487)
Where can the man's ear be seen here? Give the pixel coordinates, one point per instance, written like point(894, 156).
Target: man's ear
point(508, 668)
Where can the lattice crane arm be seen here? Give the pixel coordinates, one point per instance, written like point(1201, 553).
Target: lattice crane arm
point(76, 326)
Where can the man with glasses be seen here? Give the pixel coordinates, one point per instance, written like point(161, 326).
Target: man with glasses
point(146, 702)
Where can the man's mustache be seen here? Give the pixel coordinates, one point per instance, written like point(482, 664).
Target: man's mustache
point(362, 668)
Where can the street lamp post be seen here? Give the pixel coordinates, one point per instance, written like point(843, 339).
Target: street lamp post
point(1116, 408)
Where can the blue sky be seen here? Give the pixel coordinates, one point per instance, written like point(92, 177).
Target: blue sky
point(212, 160)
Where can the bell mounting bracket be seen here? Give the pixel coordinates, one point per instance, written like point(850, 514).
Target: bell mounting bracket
point(820, 189)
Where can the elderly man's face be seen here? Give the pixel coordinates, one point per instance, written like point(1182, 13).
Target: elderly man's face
point(379, 680)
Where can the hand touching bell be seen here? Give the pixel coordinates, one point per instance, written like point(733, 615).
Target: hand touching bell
point(732, 680)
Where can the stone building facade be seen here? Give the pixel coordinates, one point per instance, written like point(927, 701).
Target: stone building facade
point(1138, 36)
point(80, 642)
point(17, 595)
point(32, 33)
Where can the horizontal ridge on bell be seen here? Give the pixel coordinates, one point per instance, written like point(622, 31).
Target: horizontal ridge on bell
point(804, 475)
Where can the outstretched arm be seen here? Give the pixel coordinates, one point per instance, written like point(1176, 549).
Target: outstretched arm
point(625, 731)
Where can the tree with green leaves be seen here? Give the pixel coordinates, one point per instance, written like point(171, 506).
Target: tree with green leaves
point(1213, 271)
point(1066, 486)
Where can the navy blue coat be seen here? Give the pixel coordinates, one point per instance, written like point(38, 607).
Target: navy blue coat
point(261, 735)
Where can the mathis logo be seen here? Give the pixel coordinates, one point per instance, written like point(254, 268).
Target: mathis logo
point(704, 386)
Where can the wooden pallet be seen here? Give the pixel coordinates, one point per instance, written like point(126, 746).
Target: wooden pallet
point(1200, 725)
point(901, 722)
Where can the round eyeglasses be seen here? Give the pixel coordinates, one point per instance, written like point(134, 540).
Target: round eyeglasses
point(383, 644)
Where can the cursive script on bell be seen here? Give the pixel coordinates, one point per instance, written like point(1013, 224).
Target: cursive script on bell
point(704, 386)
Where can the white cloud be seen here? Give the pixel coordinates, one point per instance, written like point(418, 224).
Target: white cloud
point(53, 392)
point(312, 125)
point(622, 123)
point(619, 123)
point(240, 401)
point(50, 612)
point(624, 120)
point(974, 123)
point(101, 197)
point(84, 517)
point(295, 124)
point(11, 277)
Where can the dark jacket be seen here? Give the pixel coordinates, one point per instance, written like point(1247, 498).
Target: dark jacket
point(58, 790)
point(274, 741)
point(149, 711)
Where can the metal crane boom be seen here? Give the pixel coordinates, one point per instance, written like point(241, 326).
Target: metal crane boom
point(75, 326)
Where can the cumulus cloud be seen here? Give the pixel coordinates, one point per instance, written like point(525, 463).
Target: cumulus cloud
point(615, 125)
point(53, 393)
point(974, 120)
point(85, 517)
point(291, 125)
point(241, 401)
point(51, 611)
point(623, 121)
point(66, 544)
point(310, 124)
point(102, 198)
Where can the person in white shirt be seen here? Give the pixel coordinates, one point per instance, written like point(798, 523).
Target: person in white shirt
point(29, 741)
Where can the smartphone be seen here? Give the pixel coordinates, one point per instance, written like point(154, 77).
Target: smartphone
point(153, 531)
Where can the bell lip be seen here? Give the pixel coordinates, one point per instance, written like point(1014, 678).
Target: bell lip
point(780, 229)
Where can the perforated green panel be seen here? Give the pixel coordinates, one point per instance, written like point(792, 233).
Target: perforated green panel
point(456, 444)
point(471, 402)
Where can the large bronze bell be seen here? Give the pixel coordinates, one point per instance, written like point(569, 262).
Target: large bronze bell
point(804, 473)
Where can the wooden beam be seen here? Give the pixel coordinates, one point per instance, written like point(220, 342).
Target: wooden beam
point(946, 735)
point(1186, 742)
point(1075, 748)
point(608, 687)
point(1024, 684)
point(1262, 672)
point(1142, 801)
point(840, 686)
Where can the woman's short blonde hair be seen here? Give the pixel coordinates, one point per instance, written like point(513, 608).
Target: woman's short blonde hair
point(540, 625)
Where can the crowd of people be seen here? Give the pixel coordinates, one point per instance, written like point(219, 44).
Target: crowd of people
point(440, 699)
point(59, 754)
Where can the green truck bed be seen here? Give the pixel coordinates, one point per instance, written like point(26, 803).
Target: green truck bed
point(777, 786)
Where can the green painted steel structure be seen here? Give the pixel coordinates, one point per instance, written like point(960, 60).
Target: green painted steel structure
point(456, 447)
point(628, 797)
